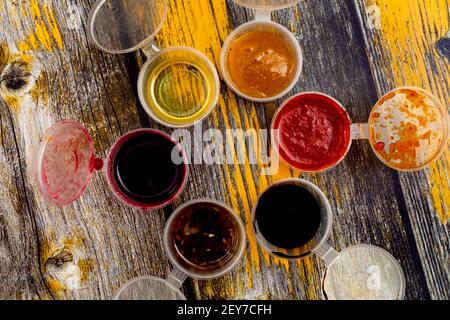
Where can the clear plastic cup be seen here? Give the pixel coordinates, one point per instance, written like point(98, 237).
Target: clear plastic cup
point(123, 197)
point(152, 288)
point(166, 74)
point(64, 162)
point(427, 152)
point(395, 120)
point(321, 235)
point(359, 272)
point(177, 86)
point(263, 22)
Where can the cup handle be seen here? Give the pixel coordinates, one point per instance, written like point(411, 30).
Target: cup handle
point(263, 15)
point(177, 278)
point(326, 253)
point(99, 164)
point(151, 50)
point(360, 131)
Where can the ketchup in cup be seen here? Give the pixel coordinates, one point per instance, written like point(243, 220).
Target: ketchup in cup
point(312, 132)
point(408, 130)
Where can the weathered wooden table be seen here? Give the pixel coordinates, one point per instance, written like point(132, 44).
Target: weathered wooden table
point(354, 50)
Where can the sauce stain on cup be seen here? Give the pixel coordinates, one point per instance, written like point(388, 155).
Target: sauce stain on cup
point(408, 129)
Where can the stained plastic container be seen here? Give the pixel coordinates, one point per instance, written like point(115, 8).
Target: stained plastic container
point(153, 288)
point(362, 272)
point(64, 162)
point(177, 86)
point(263, 22)
point(408, 130)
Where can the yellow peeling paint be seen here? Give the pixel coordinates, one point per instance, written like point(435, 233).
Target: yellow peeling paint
point(23, 9)
point(409, 32)
point(205, 25)
point(23, 46)
point(49, 14)
point(73, 244)
point(44, 32)
point(41, 31)
point(13, 103)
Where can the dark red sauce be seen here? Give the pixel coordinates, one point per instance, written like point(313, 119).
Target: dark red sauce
point(314, 132)
point(142, 172)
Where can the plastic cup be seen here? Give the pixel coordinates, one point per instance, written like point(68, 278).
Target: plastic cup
point(366, 131)
point(321, 235)
point(64, 162)
point(177, 86)
point(275, 136)
point(152, 288)
point(358, 272)
point(440, 127)
point(236, 253)
point(262, 23)
point(123, 197)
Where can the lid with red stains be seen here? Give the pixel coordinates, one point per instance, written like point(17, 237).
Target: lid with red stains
point(64, 162)
point(408, 129)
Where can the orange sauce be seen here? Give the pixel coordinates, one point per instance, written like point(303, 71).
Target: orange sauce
point(261, 64)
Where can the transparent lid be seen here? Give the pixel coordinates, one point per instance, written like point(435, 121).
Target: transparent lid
point(149, 288)
point(364, 273)
point(64, 162)
point(267, 4)
point(122, 26)
point(408, 129)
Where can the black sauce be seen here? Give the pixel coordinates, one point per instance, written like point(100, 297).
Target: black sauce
point(205, 236)
point(144, 169)
point(288, 216)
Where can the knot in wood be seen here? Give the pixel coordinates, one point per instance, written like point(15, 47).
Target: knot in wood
point(16, 78)
point(58, 260)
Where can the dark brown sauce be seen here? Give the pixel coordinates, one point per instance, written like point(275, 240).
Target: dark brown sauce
point(205, 236)
point(288, 216)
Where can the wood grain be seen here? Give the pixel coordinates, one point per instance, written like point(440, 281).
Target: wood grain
point(100, 243)
point(97, 240)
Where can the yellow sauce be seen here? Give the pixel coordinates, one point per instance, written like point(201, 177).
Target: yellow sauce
point(180, 88)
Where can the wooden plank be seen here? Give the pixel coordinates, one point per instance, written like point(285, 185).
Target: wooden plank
point(90, 248)
point(105, 243)
point(361, 189)
point(401, 37)
point(20, 275)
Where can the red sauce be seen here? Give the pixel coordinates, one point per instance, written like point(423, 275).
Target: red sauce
point(314, 132)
